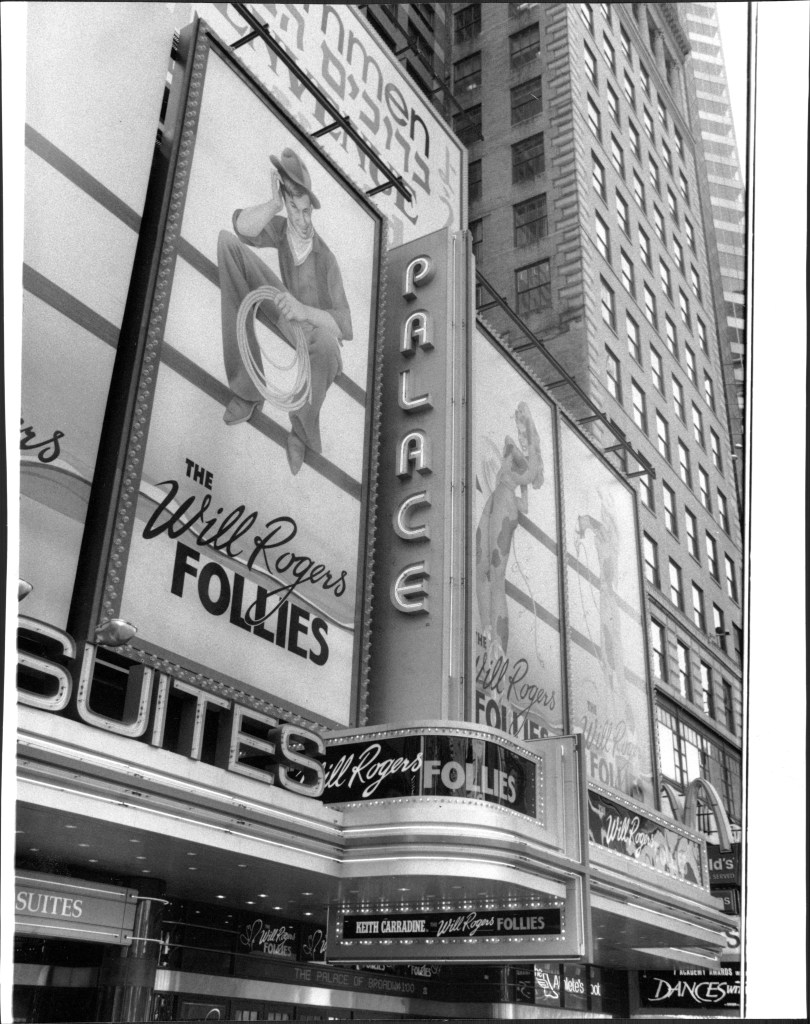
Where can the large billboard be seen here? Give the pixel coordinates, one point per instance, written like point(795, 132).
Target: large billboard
point(608, 691)
point(239, 548)
point(337, 48)
point(517, 650)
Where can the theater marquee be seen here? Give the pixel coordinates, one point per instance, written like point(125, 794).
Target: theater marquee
point(239, 546)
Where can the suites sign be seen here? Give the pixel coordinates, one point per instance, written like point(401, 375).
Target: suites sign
point(54, 907)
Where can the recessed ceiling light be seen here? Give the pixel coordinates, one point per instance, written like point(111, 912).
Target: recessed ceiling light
point(403, 888)
point(134, 840)
point(141, 857)
point(192, 869)
point(307, 913)
point(190, 854)
point(220, 897)
point(71, 826)
point(306, 893)
point(146, 871)
point(250, 902)
point(92, 860)
point(33, 849)
point(84, 846)
point(262, 895)
point(276, 908)
point(241, 865)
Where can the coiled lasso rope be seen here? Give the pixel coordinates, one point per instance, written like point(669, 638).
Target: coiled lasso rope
point(299, 394)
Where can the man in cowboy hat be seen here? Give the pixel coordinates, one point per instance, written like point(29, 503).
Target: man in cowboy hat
point(312, 295)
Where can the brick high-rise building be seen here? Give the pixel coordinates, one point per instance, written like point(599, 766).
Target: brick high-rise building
point(587, 203)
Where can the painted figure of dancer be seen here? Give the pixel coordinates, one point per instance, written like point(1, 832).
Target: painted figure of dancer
point(606, 537)
point(521, 467)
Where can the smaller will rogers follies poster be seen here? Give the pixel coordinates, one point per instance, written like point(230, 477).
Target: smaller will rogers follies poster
point(240, 549)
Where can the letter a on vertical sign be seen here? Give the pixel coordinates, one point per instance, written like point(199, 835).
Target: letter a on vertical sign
point(419, 554)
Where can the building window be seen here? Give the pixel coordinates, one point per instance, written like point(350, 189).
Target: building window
point(706, 689)
point(648, 125)
point(711, 556)
point(625, 40)
point(613, 103)
point(691, 533)
point(731, 578)
point(654, 179)
point(697, 425)
point(602, 238)
point(474, 180)
point(684, 466)
point(667, 155)
point(639, 407)
point(689, 356)
point(635, 140)
point(651, 574)
point(608, 305)
point(633, 338)
point(722, 511)
point(586, 13)
point(590, 65)
point(675, 585)
point(670, 520)
point(702, 340)
point(629, 90)
point(714, 441)
point(598, 176)
point(719, 626)
point(672, 204)
point(728, 706)
point(649, 306)
point(638, 191)
point(530, 221)
point(623, 214)
point(659, 649)
point(610, 53)
point(528, 159)
point(708, 390)
point(684, 671)
point(644, 247)
point(695, 281)
point(672, 336)
point(467, 125)
point(646, 491)
point(533, 287)
point(477, 232)
point(666, 279)
point(645, 78)
point(524, 46)
point(683, 187)
point(698, 608)
point(690, 234)
point(467, 23)
point(662, 433)
point(617, 156)
point(605, 9)
point(677, 251)
point(703, 484)
point(628, 274)
point(678, 144)
point(526, 100)
point(677, 399)
point(420, 46)
point(614, 377)
point(684, 304)
point(467, 73)
point(658, 225)
point(657, 370)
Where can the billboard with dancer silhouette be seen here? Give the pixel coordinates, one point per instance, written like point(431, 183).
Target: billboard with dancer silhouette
point(241, 548)
point(516, 614)
point(608, 693)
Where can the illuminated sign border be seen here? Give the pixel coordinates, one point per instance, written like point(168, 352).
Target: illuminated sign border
point(106, 561)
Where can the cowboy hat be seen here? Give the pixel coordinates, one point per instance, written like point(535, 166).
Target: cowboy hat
point(290, 165)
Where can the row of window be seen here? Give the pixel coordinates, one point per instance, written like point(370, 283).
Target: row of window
point(652, 574)
point(687, 753)
point(613, 376)
point(526, 101)
point(528, 164)
point(706, 697)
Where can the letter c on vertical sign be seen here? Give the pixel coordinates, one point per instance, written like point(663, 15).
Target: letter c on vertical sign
point(401, 529)
point(408, 591)
point(418, 272)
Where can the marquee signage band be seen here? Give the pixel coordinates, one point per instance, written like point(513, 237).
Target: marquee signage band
point(240, 544)
point(654, 843)
point(468, 924)
point(428, 764)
